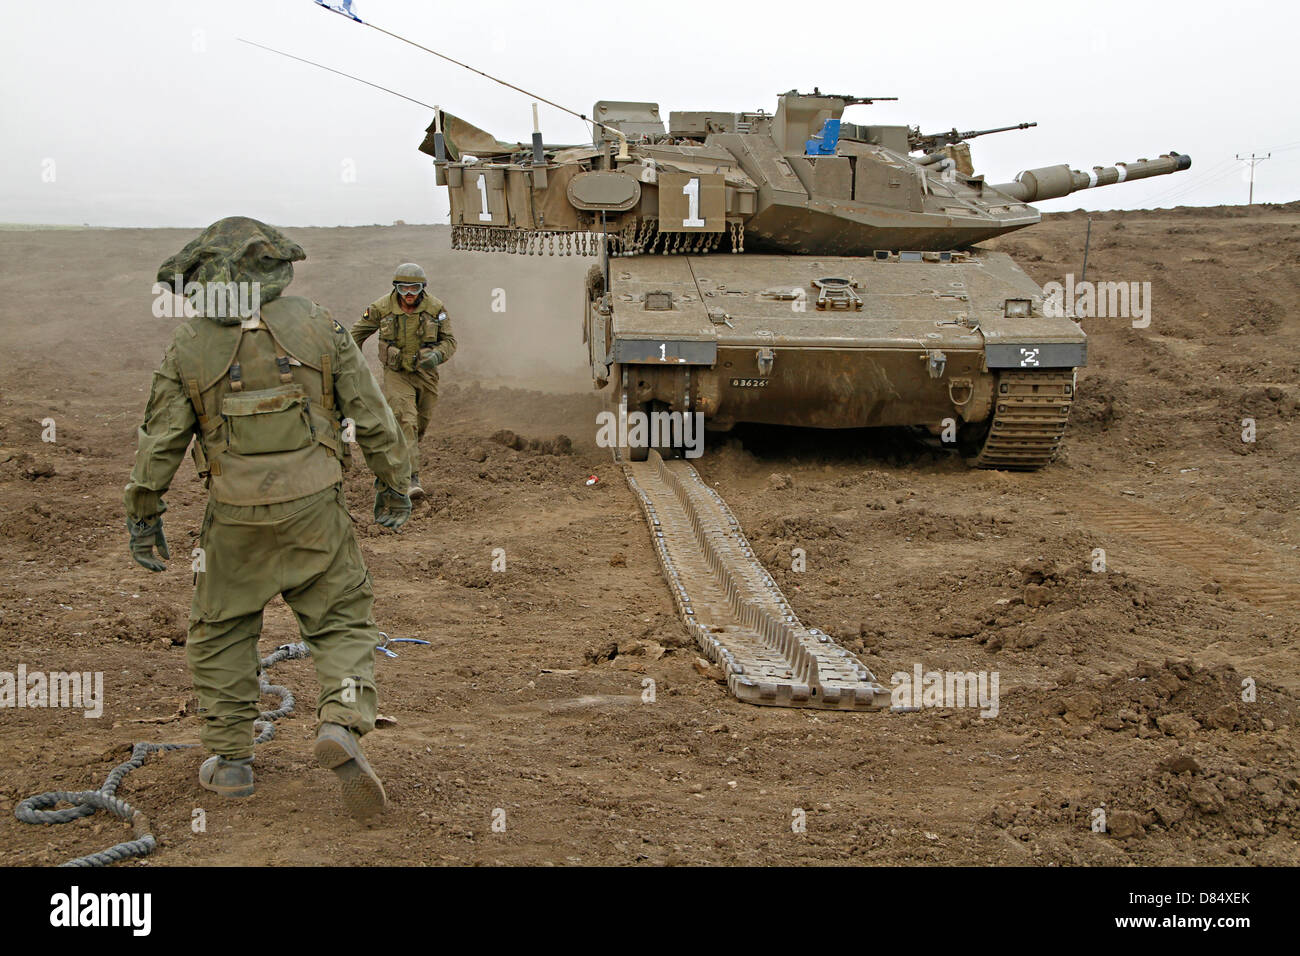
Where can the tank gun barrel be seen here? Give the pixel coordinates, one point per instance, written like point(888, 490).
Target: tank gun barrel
point(1052, 182)
point(929, 142)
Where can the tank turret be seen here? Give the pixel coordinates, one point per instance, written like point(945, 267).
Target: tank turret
point(797, 181)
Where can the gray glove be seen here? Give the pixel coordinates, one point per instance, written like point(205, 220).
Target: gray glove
point(429, 359)
point(392, 509)
point(145, 535)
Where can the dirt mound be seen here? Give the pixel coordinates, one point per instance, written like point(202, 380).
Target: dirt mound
point(1216, 773)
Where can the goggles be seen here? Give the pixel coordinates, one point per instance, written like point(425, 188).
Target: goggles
point(409, 288)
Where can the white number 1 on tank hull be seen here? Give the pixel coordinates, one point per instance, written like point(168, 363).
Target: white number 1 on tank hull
point(692, 192)
point(663, 352)
point(483, 216)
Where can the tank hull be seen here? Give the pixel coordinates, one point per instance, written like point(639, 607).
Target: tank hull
point(901, 341)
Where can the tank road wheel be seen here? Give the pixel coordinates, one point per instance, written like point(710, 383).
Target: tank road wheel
point(1025, 428)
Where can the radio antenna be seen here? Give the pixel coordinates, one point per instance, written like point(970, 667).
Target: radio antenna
point(344, 9)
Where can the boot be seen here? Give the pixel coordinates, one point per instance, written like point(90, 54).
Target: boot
point(230, 778)
point(338, 750)
point(416, 492)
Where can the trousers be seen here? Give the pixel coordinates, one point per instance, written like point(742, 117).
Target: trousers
point(306, 551)
point(411, 396)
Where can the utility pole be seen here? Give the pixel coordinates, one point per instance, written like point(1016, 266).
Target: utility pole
point(1254, 161)
point(1087, 240)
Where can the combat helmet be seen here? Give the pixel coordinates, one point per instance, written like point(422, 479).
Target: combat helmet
point(409, 272)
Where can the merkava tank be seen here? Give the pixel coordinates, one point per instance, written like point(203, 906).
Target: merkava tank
point(791, 269)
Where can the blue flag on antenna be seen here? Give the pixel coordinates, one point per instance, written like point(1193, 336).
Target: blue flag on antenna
point(343, 6)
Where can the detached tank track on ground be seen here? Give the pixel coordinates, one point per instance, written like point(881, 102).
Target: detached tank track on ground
point(733, 607)
point(1030, 410)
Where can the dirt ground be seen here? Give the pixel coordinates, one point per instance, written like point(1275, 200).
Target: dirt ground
point(1121, 691)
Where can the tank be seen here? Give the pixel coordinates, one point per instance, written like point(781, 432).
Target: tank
point(791, 269)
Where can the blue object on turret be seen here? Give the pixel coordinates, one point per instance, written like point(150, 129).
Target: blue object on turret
point(824, 142)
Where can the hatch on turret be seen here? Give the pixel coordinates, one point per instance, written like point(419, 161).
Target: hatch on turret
point(800, 115)
point(635, 120)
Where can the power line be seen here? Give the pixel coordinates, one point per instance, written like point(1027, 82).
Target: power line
point(1208, 176)
point(1203, 176)
point(1173, 197)
point(1194, 182)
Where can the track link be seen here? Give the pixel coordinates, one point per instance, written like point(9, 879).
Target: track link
point(732, 606)
point(1029, 415)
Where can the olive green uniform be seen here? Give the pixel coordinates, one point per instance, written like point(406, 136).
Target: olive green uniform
point(264, 402)
point(404, 340)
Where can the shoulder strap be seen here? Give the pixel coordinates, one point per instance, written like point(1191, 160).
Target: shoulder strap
point(196, 399)
point(299, 329)
point(327, 382)
point(282, 362)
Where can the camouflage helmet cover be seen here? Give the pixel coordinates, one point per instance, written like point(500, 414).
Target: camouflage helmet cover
point(236, 249)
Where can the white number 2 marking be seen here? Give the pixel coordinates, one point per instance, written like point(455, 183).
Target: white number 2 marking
point(483, 216)
point(1028, 357)
point(692, 192)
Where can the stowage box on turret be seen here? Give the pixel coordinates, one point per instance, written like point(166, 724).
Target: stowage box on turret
point(856, 295)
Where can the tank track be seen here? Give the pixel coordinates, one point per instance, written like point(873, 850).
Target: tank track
point(1030, 412)
point(731, 605)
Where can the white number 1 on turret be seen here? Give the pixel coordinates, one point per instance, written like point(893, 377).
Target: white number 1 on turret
point(483, 216)
point(692, 192)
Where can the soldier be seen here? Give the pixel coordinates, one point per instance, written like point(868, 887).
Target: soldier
point(265, 398)
point(414, 339)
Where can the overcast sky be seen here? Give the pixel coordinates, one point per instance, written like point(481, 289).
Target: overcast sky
point(150, 113)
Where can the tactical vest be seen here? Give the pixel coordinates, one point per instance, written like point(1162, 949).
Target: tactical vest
point(401, 353)
point(264, 398)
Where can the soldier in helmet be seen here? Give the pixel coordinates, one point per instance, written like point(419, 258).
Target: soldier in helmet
point(269, 398)
point(415, 338)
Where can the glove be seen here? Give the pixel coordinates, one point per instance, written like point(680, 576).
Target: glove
point(391, 508)
point(430, 359)
point(144, 536)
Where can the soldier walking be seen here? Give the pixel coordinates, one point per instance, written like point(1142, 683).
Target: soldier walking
point(415, 338)
point(264, 396)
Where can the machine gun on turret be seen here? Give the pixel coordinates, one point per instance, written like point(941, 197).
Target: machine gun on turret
point(933, 142)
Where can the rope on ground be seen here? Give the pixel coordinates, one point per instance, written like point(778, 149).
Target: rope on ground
point(40, 808)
